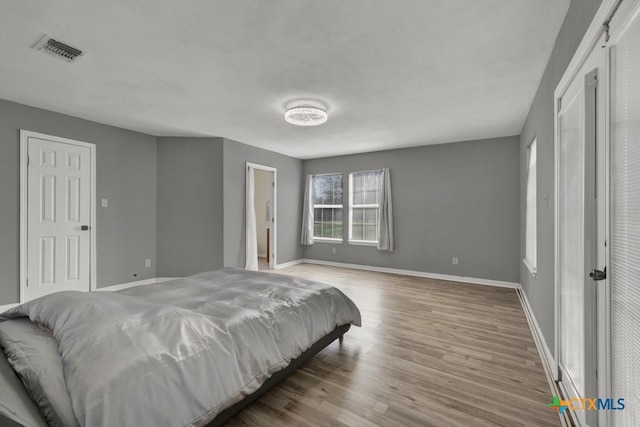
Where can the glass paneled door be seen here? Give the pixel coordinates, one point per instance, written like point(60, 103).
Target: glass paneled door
point(580, 234)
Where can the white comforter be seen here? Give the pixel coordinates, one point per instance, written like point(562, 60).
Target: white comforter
point(179, 352)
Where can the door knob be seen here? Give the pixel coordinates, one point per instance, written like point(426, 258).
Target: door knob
point(597, 275)
point(84, 228)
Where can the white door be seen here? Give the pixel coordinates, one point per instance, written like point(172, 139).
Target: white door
point(58, 216)
point(581, 233)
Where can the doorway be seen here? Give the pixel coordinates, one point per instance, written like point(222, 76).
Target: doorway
point(57, 215)
point(262, 205)
point(261, 224)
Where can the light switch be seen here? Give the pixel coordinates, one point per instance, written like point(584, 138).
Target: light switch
point(105, 203)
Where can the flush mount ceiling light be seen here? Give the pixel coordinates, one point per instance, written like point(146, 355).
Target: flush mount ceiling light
point(304, 113)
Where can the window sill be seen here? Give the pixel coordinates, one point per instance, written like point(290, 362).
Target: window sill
point(327, 240)
point(530, 267)
point(362, 243)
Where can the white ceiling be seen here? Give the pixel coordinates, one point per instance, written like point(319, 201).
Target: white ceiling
point(393, 73)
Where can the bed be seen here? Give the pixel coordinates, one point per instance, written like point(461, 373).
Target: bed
point(187, 352)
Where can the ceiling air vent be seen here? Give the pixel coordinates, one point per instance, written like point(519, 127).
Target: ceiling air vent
point(57, 48)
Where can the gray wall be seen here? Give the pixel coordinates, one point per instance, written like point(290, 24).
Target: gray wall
point(289, 202)
point(126, 175)
point(539, 124)
point(190, 213)
point(449, 200)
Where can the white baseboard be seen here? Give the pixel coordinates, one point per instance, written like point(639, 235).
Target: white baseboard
point(447, 277)
point(136, 283)
point(538, 337)
point(289, 264)
point(6, 307)
point(261, 255)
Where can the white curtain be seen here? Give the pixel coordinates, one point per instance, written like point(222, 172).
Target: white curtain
point(385, 216)
point(307, 213)
point(250, 223)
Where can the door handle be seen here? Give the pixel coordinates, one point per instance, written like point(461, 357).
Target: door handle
point(598, 275)
point(84, 228)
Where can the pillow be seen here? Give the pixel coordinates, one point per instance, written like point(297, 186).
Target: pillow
point(16, 407)
point(33, 354)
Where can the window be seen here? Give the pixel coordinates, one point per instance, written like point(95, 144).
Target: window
point(327, 207)
point(530, 258)
point(364, 203)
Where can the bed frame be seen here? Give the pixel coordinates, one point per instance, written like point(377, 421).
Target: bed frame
point(226, 414)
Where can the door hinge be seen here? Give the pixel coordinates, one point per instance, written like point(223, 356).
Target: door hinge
point(28, 160)
point(273, 184)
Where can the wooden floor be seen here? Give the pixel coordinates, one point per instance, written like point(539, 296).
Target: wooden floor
point(429, 353)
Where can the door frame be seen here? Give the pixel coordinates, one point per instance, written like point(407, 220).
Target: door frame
point(24, 208)
point(274, 234)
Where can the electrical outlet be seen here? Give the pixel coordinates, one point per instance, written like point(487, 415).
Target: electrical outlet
point(147, 263)
point(455, 260)
point(105, 203)
point(333, 250)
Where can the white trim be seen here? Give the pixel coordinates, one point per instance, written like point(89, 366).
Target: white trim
point(449, 278)
point(530, 267)
point(262, 255)
point(24, 173)
point(126, 285)
point(556, 239)
point(289, 264)
point(363, 243)
point(587, 44)
point(541, 344)
point(6, 307)
point(328, 240)
point(546, 357)
point(151, 281)
point(325, 174)
point(320, 206)
point(273, 262)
